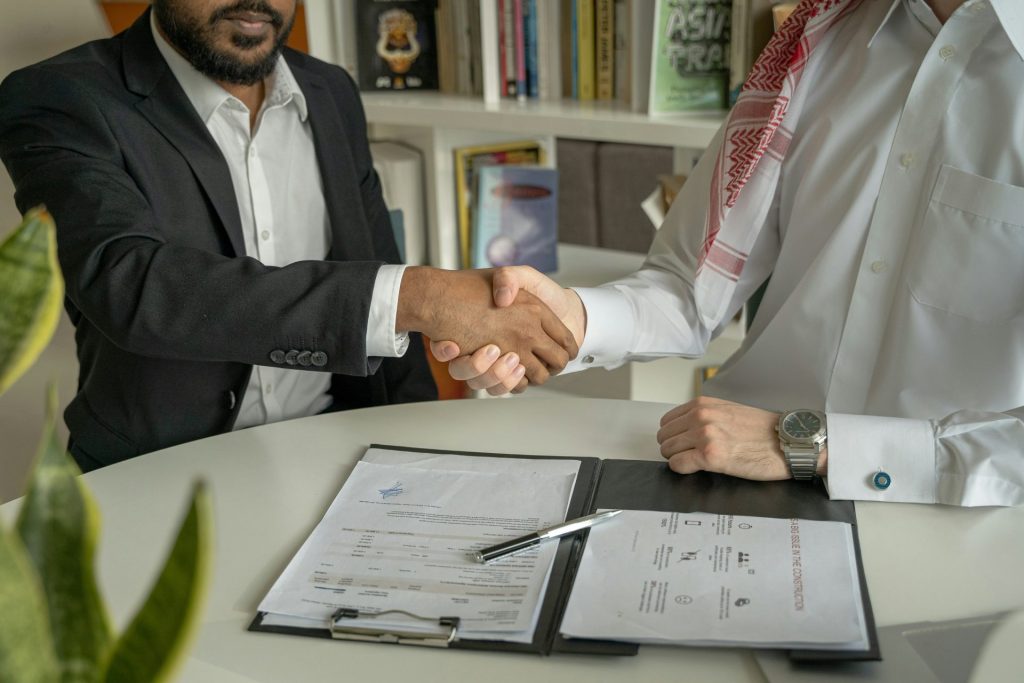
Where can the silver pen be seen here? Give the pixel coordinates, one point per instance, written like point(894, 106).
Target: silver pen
point(523, 542)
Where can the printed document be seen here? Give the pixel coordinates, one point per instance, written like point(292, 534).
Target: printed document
point(707, 579)
point(401, 533)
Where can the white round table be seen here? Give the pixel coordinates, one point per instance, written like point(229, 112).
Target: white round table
point(271, 485)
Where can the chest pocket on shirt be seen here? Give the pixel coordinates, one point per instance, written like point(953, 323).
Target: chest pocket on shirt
point(971, 260)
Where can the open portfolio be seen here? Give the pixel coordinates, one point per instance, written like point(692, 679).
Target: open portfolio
point(394, 560)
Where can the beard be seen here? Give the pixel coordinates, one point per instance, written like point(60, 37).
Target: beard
point(196, 38)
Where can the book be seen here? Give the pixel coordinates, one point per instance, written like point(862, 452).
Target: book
point(641, 40)
point(519, 33)
point(549, 46)
point(516, 219)
point(400, 169)
point(397, 44)
point(382, 493)
point(690, 56)
point(604, 49)
point(507, 46)
point(567, 47)
point(586, 80)
point(621, 47)
point(467, 160)
point(530, 28)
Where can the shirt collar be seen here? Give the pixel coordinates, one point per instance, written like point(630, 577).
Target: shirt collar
point(207, 96)
point(1010, 14)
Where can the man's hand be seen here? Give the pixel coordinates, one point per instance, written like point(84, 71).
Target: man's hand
point(457, 306)
point(484, 369)
point(721, 436)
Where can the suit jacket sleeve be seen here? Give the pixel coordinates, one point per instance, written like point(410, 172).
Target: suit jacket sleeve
point(128, 277)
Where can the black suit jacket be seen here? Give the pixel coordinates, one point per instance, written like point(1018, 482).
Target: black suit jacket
point(170, 314)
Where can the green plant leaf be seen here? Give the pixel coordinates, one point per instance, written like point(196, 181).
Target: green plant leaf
point(32, 294)
point(58, 524)
point(152, 646)
point(26, 648)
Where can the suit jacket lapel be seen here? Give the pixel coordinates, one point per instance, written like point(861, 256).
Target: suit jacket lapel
point(168, 109)
point(349, 233)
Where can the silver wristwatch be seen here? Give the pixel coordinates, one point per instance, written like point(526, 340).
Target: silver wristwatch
point(802, 435)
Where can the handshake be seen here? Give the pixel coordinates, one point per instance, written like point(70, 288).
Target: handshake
point(473, 317)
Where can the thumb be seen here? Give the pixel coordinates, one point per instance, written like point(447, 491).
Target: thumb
point(506, 284)
point(444, 351)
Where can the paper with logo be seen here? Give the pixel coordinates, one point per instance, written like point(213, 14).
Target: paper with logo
point(707, 579)
point(400, 536)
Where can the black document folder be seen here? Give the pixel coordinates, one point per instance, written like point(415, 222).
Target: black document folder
point(645, 485)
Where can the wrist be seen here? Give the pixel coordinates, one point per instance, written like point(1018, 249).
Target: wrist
point(822, 468)
point(576, 321)
point(417, 289)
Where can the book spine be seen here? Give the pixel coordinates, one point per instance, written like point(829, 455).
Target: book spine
point(519, 27)
point(575, 30)
point(567, 46)
point(585, 48)
point(506, 39)
point(622, 52)
point(549, 40)
point(532, 58)
point(604, 64)
point(641, 22)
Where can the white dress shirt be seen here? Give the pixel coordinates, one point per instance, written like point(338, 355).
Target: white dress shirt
point(284, 219)
point(896, 252)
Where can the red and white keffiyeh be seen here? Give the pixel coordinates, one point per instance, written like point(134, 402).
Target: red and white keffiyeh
point(757, 136)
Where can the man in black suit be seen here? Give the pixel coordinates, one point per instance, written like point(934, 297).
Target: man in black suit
point(227, 254)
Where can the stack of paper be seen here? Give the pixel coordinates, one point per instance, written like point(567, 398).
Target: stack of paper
point(399, 539)
point(706, 579)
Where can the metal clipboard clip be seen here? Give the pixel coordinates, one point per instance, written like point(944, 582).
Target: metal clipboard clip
point(346, 630)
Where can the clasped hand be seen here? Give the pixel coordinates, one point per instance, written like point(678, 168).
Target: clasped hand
point(457, 306)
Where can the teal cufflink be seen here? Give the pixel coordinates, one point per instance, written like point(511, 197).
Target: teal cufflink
point(881, 480)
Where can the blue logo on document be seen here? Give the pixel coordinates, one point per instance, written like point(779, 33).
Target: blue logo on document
point(395, 490)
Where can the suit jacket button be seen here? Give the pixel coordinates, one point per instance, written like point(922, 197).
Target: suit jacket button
point(304, 359)
point(291, 356)
point(277, 356)
point(319, 359)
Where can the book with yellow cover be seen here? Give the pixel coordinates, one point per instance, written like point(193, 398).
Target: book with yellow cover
point(467, 161)
point(585, 49)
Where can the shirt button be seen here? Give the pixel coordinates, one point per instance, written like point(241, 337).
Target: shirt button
point(947, 52)
point(879, 266)
point(265, 234)
point(267, 388)
point(252, 149)
point(588, 359)
point(906, 160)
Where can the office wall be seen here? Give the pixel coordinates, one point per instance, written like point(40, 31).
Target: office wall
point(29, 32)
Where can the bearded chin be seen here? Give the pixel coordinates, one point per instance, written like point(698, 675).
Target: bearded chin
point(195, 41)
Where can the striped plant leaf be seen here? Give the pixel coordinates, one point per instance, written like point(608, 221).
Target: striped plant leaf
point(26, 648)
point(32, 293)
point(152, 647)
point(58, 524)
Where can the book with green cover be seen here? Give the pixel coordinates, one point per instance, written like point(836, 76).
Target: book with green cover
point(690, 55)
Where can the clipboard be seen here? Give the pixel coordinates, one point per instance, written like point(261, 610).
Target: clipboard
point(626, 484)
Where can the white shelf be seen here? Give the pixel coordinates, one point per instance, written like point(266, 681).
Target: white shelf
point(606, 121)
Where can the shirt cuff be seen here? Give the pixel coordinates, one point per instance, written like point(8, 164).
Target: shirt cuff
point(381, 338)
point(861, 446)
point(609, 333)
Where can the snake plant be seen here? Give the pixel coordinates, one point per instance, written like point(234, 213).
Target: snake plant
point(54, 625)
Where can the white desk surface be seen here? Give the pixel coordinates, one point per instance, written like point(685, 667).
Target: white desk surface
point(271, 485)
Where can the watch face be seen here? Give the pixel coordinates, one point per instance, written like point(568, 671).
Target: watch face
point(801, 424)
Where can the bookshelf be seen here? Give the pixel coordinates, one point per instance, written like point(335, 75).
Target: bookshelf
point(436, 124)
